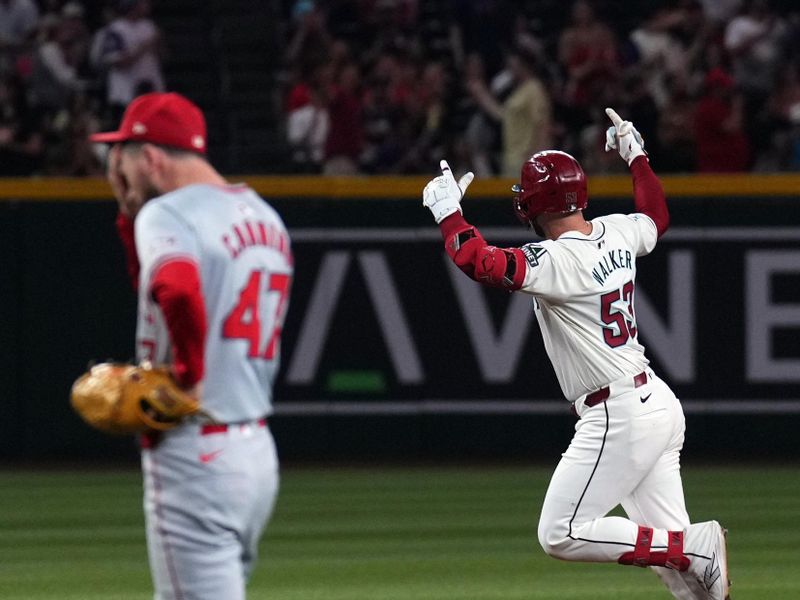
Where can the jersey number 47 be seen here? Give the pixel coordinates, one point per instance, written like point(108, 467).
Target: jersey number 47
point(244, 321)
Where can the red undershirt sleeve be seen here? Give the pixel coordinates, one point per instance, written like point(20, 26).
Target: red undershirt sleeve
point(453, 224)
point(649, 195)
point(176, 288)
point(503, 268)
point(125, 232)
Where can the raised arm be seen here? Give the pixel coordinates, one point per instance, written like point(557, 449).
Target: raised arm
point(496, 267)
point(648, 195)
point(647, 191)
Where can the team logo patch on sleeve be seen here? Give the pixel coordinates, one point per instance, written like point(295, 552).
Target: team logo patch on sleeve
point(532, 253)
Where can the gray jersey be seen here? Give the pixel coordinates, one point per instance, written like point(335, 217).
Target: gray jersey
point(243, 253)
point(584, 289)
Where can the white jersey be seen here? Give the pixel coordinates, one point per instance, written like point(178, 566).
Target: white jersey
point(126, 36)
point(242, 250)
point(584, 289)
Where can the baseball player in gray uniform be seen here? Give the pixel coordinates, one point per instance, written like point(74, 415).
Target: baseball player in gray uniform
point(213, 267)
point(627, 443)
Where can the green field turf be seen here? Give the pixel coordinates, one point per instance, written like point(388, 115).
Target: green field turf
point(374, 534)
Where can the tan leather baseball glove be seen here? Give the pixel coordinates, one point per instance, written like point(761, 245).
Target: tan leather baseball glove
point(121, 398)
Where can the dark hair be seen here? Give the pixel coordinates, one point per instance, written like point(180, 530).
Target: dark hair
point(526, 56)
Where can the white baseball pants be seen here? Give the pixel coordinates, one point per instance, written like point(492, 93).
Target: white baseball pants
point(207, 499)
point(625, 451)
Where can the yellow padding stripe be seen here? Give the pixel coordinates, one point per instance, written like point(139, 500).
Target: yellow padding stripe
point(95, 188)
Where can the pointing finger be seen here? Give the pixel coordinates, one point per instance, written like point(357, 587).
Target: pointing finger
point(615, 118)
point(444, 166)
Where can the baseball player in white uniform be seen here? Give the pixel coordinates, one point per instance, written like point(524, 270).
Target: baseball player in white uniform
point(213, 266)
point(627, 443)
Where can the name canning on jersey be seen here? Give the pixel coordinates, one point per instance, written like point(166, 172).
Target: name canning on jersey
point(612, 260)
point(248, 234)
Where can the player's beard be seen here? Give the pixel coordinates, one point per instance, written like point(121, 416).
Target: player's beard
point(149, 192)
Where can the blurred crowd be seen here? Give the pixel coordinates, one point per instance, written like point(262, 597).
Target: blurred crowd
point(391, 86)
point(66, 72)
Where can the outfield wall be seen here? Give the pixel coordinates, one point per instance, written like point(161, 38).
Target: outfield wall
point(389, 352)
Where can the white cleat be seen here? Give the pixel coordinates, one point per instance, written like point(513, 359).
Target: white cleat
point(705, 545)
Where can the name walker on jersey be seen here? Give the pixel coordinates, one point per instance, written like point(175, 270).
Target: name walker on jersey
point(612, 260)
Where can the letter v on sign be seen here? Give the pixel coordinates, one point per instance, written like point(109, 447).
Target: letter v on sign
point(498, 353)
point(322, 306)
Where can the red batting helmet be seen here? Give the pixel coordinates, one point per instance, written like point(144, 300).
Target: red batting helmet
point(551, 182)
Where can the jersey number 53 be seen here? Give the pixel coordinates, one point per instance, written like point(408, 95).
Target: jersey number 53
point(244, 321)
point(620, 326)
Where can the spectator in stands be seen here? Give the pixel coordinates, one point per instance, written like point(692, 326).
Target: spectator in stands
point(130, 54)
point(18, 20)
point(755, 41)
point(21, 142)
point(308, 120)
point(793, 34)
point(429, 121)
point(397, 72)
point(642, 110)
point(72, 154)
point(98, 66)
point(781, 122)
point(526, 114)
point(383, 147)
point(310, 44)
point(722, 145)
point(46, 28)
point(18, 24)
point(403, 81)
point(345, 138)
point(719, 12)
point(587, 51)
point(72, 19)
point(676, 132)
point(344, 20)
point(388, 25)
point(54, 78)
point(406, 47)
point(24, 56)
point(480, 25)
point(670, 43)
point(784, 103)
point(339, 56)
point(481, 134)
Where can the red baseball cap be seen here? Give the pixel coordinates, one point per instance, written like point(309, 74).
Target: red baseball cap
point(158, 118)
